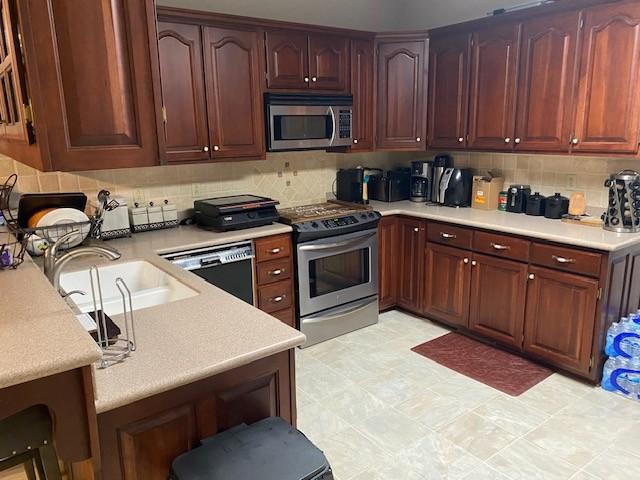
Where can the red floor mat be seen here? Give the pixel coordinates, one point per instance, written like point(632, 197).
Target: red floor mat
point(501, 370)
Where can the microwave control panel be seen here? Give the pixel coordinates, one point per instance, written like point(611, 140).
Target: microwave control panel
point(344, 124)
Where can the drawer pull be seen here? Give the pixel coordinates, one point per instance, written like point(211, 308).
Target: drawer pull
point(497, 246)
point(532, 276)
point(448, 235)
point(278, 299)
point(563, 260)
point(416, 229)
point(466, 260)
point(474, 263)
point(275, 273)
point(275, 251)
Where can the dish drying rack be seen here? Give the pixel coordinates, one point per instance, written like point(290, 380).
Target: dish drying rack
point(114, 350)
point(14, 238)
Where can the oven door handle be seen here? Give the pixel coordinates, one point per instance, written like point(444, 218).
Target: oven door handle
point(330, 246)
point(333, 125)
point(340, 313)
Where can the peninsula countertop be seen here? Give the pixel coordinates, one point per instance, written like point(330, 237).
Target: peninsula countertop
point(177, 343)
point(517, 224)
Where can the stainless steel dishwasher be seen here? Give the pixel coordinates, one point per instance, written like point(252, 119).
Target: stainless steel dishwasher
point(228, 267)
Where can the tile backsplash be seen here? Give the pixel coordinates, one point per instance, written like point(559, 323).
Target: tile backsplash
point(296, 178)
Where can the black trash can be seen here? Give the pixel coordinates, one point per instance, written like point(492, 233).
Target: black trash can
point(270, 449)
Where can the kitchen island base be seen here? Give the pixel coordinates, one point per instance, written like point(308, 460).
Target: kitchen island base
point(139, 441)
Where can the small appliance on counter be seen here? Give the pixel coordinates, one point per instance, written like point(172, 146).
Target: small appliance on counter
point(486, 192)
point(455, 187)
point(517, 196)
point(115, 222)
point(556, 207)
point(440, 164)
point(421, 181)
point(623, 212)
point(152, 217)
point(391, 186)
point(536, 204)
point(350, 185)
point(236, 212)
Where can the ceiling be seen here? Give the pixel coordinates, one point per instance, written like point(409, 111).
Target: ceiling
point(374, 15)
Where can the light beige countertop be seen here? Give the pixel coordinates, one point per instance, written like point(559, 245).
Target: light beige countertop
point(191, 339)
point(39, 334)
point(517, 224)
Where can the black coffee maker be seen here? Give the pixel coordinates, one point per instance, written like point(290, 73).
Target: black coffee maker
point(421, 181)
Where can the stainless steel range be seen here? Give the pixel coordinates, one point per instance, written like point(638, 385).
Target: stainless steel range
point(337, 268)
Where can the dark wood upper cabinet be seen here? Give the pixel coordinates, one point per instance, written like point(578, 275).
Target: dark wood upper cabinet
point(412, 239)
point(607, 103)
point(449, 91)
point(329, 62)
point(498, 290)
point(446, 284)
point(233, 64)
point(389, 248)
point(287, 59)
point(560, 317)
point(186, 135)
point(546, 80)
point(493, 87)
point(401, 100)
point(362, 81)
point(90, 63)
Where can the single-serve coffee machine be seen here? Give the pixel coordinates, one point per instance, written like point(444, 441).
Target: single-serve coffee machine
point(440, 164)
point(421, 181)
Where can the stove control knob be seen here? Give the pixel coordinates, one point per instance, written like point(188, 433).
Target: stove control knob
point(251, 214)
point(371, 215)
point(363, 216)
point(314, 224)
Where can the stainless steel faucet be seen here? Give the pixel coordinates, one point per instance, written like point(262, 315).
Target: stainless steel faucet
point(53, 266)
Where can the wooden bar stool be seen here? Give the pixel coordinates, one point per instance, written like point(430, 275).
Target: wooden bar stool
point(27, 438)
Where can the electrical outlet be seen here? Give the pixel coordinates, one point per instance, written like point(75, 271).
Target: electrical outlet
point(295, 173)
point(279, 174)
point(571, 182)
point(287, 164)
point(288, 183)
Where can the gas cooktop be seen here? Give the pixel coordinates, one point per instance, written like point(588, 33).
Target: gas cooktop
point(321, 220)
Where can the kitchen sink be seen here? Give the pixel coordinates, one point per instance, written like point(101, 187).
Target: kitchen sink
point(149, 286)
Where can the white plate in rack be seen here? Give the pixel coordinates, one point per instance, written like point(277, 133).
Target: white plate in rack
point(64, 217)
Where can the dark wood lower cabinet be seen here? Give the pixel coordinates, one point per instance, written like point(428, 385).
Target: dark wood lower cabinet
point(139, 441)
point(412, 238)
point(561, 312)
point(388, 254)
point(498, 291)
point(446, 284)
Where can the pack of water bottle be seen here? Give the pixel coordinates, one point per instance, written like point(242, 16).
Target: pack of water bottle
point(621, 372)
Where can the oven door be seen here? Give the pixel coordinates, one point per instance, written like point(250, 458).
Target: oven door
point(337, 270)
point(293, 127)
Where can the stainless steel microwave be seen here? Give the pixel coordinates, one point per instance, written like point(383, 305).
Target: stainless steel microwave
point(308, 122)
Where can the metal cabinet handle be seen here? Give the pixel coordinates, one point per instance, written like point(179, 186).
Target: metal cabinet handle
point(563, 259)
point(474, 263)
point(532, 276)
point(460, 139)
point(517, 140)
point(306, 79)
point(466, 260)
point(497, 246)
point(275, 273)
point(278, 299)
point(205, 149)
point(448, 235)
point(275, 250)
point(355, 140)
point(507, 140)
point(418, 139)
point(416, 229)
point(574, 141)
point(314, 79)
point(216, 148)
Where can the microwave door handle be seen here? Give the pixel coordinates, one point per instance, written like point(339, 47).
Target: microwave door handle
point(328, 246)
point(333, 125)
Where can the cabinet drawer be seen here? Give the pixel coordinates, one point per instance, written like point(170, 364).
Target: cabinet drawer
point(501, 246)
point(287, 316)
point(274, 297)
point(586, 263)
point(449, 235)
point(273, 271)
point(272, 248)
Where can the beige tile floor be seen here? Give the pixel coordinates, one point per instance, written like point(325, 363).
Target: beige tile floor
point(381, 411)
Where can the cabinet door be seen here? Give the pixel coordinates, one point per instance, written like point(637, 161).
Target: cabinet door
point(608, 104)
point(560, 317)
point(388, 250)
point(329, 62)
point(448, 91)
point(14, 124)
point(362, 65)
point(287, 60)
point(498, 290)
point(402, 97)
point(446, 284)
point(545, 93)
point(94, 74)
point(186, 136)
point(412, 237)
point(493, 84)
point(232, 63)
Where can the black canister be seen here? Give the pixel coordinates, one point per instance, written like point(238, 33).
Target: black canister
point(556, 207)
point(536, 204)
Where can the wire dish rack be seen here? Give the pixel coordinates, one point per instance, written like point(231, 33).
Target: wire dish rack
point(15, 239)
